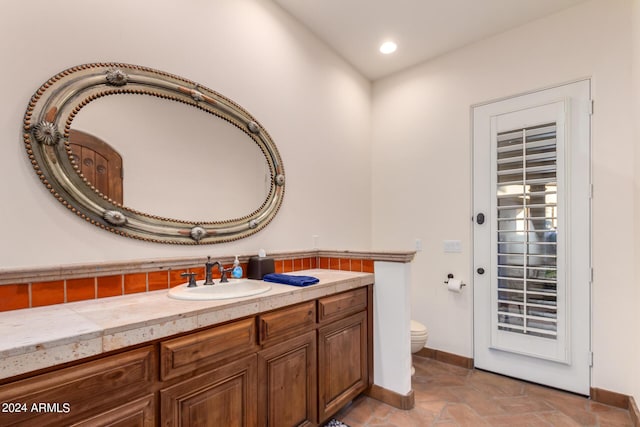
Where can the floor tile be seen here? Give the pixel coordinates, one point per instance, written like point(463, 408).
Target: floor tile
point(450, 396)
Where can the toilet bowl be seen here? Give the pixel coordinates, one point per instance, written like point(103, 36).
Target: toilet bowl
point(419, 335)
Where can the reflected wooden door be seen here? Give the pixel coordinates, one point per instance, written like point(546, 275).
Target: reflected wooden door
point(99, 163)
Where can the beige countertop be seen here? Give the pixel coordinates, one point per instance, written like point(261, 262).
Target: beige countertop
point(42, 337)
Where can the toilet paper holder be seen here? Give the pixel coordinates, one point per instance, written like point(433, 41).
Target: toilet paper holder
point(450, 276)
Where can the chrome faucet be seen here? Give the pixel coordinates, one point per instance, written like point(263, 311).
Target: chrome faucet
point(207, 270)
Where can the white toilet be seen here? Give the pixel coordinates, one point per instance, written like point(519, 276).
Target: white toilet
point(419, 335)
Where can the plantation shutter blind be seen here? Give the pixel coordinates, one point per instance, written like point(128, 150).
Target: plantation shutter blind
point(527, 222)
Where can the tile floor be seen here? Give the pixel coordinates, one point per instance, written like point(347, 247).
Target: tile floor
point(447, 396)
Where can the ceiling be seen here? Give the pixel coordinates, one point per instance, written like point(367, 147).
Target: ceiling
point(423, 29)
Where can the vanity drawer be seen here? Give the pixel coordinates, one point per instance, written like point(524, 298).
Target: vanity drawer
point(281, 323)
point(186, 354)
point(69, 395)
point(338, 306)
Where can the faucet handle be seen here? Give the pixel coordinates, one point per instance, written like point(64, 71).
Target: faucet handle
point(223, 274)
point(192, 279)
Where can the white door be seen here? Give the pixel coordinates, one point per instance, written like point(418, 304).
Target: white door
point(532, 267)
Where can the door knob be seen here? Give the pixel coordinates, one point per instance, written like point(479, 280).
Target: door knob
point(480, 270)
point(480, 218)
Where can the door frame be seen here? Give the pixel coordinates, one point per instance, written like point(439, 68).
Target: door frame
point(473, 273)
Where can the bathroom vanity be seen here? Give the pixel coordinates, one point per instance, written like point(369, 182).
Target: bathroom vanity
point(292, 356)
point(289, 356)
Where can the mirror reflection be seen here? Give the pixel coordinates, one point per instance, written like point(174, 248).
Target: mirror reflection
point(183, 164)
point(177, 161)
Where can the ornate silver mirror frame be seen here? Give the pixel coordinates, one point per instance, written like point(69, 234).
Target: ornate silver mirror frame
point(47, 125)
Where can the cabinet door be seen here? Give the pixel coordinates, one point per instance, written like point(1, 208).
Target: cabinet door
point(342, 363)
point(287, 383)
point(225, 396)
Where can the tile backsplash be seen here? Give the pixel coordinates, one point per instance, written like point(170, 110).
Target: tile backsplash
point(43, 292)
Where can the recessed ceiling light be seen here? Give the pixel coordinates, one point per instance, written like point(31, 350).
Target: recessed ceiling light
point(388, 47)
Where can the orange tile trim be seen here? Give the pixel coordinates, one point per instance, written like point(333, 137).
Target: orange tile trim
point(13, 297)
point(18, 295)
point(47, 293)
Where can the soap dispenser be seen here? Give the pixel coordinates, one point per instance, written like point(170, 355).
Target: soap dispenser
point(237, 269)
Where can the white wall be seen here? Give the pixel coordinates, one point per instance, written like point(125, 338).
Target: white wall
point(315, 107)
point(635, 338)
point(422, 164)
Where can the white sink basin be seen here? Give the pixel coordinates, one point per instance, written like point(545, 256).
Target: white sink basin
point(237, 288)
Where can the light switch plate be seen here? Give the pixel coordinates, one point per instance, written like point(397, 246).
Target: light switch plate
point(453, 246)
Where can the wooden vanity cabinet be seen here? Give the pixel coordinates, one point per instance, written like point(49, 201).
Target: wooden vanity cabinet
point(210, 377)
point(293, 366)
point(115, 390)
point(287, 367)
point(344, 350)
point(233, 375)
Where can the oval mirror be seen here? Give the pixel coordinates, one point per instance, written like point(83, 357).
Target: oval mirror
point(164, 145)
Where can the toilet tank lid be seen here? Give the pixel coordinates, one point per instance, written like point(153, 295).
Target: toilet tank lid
point(417, 327)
